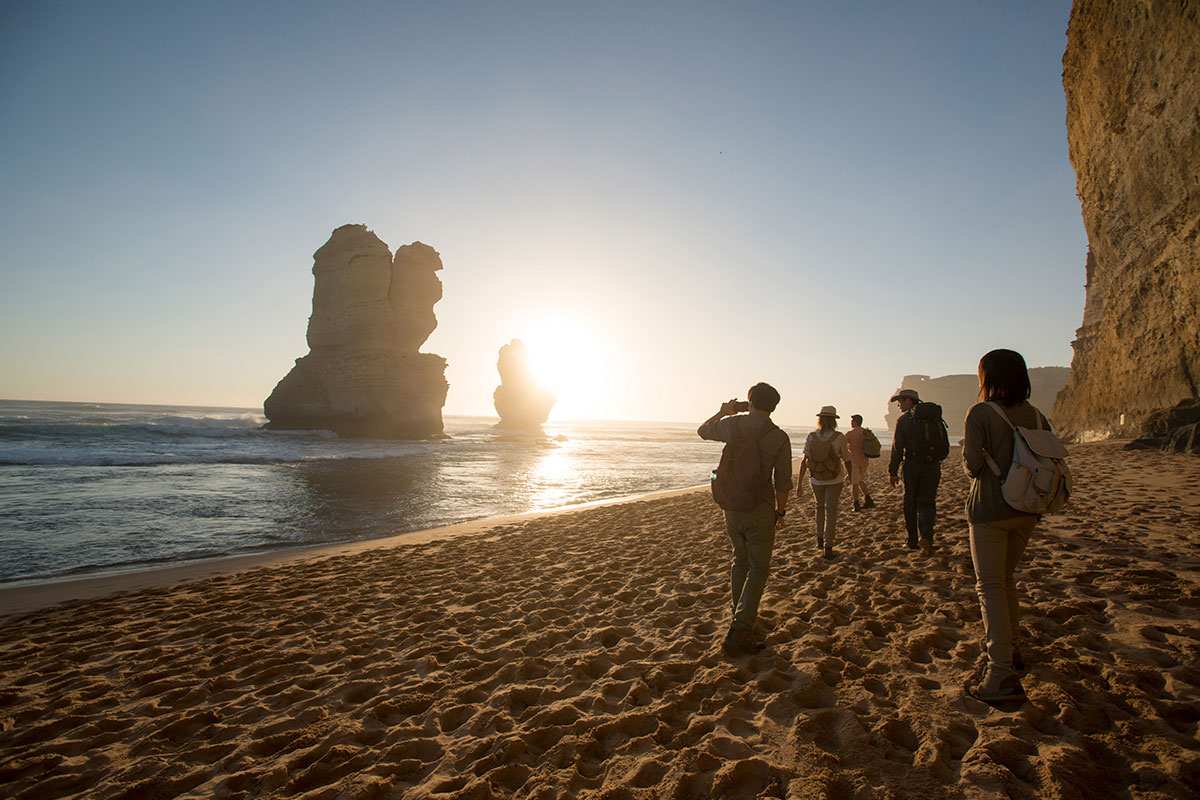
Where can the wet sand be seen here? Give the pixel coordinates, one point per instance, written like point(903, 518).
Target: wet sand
point(577, 655)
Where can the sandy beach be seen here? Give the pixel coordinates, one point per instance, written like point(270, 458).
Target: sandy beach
point(577, 655)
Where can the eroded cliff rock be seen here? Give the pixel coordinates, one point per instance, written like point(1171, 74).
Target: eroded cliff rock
point(520, 401)
point(957, 393)
point(1175, 430)
point(1132, 77)
point(363, 375)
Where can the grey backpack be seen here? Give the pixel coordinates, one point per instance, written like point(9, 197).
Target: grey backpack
point(1038, 482)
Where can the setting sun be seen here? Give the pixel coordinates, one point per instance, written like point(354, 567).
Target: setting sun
point(574, 359)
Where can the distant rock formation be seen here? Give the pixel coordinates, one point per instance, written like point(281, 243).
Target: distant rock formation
point(520, 401)
point(1132, 77)
point(363, 375)
point(957, 393)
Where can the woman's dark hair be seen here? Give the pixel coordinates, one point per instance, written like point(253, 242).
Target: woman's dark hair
point(827, 423)
point(1003, 377)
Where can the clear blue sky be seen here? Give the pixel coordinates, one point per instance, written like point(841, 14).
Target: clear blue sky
point(689, 196)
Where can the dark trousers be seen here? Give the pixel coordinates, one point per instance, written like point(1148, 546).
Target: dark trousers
point(921, 481)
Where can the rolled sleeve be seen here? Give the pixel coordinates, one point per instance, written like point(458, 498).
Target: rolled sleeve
point(716, 430)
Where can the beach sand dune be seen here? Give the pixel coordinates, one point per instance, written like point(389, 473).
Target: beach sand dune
point(577, 655)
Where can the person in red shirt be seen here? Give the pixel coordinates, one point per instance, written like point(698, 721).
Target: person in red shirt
point(858, 464)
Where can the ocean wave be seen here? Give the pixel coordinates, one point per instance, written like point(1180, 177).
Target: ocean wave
point(239, 420)
point(216, 429)
point(24, 423)
point(179, 427)
point(91, 458)
point(141, 460)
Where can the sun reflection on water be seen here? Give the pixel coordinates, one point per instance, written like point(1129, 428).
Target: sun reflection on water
point(552, 478)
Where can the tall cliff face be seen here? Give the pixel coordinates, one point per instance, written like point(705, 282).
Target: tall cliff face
point(1132, 77)
point(363, 375)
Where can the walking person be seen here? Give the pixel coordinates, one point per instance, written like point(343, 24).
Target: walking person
point(751, 484)
point(912, 447)
point(825, 451)
point(858, 464)
point(999, 533)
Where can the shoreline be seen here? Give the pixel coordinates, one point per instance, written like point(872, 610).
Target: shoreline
point(23, 597)
point(27, 595)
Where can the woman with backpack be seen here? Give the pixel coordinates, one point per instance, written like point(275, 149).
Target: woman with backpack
point(999, 532)
point(825, 450)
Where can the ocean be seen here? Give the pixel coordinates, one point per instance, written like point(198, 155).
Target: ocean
point(92, 489)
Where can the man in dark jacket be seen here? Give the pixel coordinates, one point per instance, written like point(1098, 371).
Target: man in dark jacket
point(921, 478)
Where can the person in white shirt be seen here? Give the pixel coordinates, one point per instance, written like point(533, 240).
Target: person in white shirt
point(825, 451)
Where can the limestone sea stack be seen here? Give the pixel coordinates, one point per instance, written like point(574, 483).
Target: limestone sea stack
point(364, 375)
point(1131, 72)
point(520, 401)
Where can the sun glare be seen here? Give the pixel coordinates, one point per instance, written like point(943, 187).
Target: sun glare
point(573, 359)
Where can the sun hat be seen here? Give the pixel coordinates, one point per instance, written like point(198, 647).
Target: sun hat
point(909, 393)
point(828, 411)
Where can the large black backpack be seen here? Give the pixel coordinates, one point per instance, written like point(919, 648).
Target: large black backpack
point(737, 482)
point(929, 441)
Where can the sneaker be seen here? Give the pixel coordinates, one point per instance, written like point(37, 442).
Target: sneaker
point(868, 503)
point(994, 688)
point(927, 547)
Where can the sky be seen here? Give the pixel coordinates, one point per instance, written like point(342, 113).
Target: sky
point(667, 201)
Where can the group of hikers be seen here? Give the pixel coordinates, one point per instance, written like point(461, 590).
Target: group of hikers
point(754, 479)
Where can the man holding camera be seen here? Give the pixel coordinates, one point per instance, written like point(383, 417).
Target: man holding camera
point(751, 522)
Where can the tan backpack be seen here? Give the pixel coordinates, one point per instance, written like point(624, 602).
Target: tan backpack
point(823, 461)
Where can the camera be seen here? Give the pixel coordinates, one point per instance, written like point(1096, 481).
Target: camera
point(741, 405)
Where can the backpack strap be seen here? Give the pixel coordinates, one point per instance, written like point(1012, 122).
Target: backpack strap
point(1037, 415)
point(771, 426)
point(996, 406)
point(991, 462)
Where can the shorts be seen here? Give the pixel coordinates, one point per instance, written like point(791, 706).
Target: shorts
point(858, 474)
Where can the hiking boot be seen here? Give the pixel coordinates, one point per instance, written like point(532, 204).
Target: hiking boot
point(997, 685)
point(741, 642)
point(927, 547)
point(868, 503)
